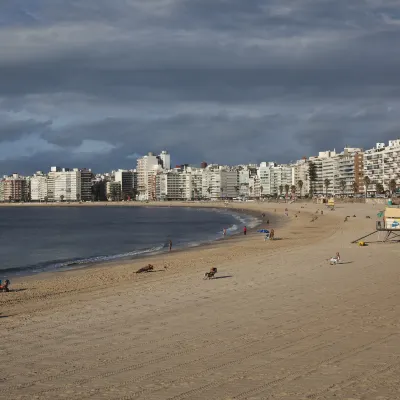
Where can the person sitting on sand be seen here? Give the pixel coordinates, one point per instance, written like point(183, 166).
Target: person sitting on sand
point(272, 235)
point(4, 287)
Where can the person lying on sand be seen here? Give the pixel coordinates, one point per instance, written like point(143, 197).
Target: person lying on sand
point(147, 268)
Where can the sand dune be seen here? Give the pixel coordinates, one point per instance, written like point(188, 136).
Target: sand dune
point(280, 323)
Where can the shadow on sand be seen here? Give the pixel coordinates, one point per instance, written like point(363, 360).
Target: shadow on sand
point(223, 277)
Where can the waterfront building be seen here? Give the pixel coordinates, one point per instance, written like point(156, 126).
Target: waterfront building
point(125, 179)
point(382, 164)
point(67, 185)
point(14, 188)
point(113, 191)
point(39, 182)
point(147, 169)
point(86, 184)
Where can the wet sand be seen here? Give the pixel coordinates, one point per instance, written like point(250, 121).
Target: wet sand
point(279, 322)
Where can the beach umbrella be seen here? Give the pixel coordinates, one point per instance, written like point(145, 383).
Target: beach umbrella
point(380, 214)
point(263, 231)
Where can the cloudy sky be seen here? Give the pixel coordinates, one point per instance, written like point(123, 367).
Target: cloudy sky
point(95, 83)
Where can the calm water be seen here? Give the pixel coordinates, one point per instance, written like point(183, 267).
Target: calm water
point(37, 239)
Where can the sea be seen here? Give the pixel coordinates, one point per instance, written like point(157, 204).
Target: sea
point(42, 239)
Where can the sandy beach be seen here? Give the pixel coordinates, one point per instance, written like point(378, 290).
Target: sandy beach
point(278, 323)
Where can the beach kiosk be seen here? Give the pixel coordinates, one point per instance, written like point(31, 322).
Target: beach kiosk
point(331, 203)
point(390, 224)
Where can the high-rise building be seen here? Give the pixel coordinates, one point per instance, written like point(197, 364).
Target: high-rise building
point(165, 158)
point(125, 179)
point(86, 184)
point(382, 164)
point(39, 189)
point(113, 191)
point(147, 168)
point(219, 183)
point(15, 188)
point(67, 185)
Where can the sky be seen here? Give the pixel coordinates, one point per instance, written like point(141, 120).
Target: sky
point(98, 83)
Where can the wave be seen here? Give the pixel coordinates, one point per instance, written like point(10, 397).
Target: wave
point(74, 263)
point(65, 264)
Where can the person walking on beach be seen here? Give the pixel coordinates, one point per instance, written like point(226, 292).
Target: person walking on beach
point(245, 231)
point(170, 245)
point(224, 232)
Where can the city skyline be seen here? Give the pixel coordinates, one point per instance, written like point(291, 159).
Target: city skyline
point(96, 83)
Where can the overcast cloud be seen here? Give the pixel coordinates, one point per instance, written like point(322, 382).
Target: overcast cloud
point(95, 83)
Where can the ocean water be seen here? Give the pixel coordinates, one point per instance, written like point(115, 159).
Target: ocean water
point(39, 239)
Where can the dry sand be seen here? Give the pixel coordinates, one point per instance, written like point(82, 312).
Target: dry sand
point(280, 323)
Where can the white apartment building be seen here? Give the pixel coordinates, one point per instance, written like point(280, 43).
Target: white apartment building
point(244, 181)
point(147, 169)
point(173, 185)
point(165, 158)
point(219, 183)
point(350, 172)
point(274, 178)
point(67, 185)
point(322, 173)
point(382, 164)
point(300, 173)
point(39, 187)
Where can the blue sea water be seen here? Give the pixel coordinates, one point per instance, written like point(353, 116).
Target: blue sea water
point(38, 239)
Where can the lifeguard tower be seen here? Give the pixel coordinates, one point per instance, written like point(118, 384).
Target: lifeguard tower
point(389, 224)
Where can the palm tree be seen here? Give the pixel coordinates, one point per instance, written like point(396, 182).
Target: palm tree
point(355, 187)
point(342, 184)
point(327, 183)
point(46, 199)
point(367, 182)
point(287, 188)
point(261, 190)
point(293, 189)
point(281, 189)
point(392, 186)
point(62, 198)
point(300, 185)
point(379, 188)
point(9, 199)
point(78, 197)
point(251, 190)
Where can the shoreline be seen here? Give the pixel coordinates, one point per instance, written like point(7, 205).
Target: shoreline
point(277, 320)
point(50, 284)
point(17, 273)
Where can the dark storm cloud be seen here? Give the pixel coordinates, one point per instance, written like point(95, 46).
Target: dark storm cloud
point(230, 81)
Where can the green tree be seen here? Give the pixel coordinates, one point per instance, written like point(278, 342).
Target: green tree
point(78, 197)
point(342, 184)
point(62, 198)
point(300, 185)
point(354, 186)
point(312, 175)
point(379, 188)
point(392, 186)
point(367, 182)
point(281, 189)
point(327, 183)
